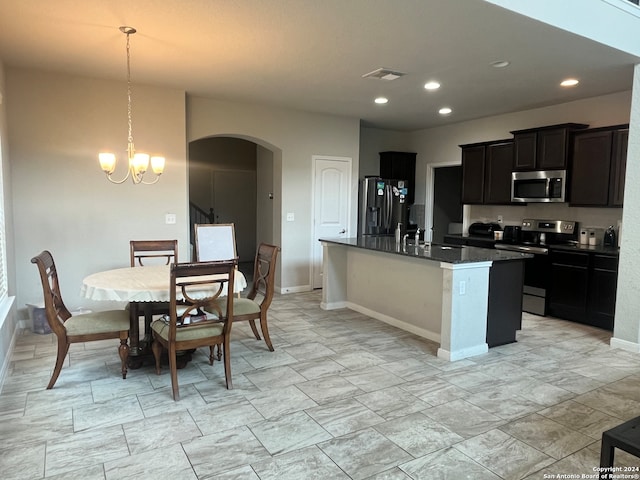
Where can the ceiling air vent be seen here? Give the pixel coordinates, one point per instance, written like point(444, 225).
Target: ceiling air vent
point(384, 74)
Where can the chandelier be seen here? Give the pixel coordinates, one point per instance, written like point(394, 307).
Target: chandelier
point(138, 162)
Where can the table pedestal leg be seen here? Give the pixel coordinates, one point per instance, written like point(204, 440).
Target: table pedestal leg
point(134, 331)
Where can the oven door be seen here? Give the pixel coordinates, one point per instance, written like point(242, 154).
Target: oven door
point(536, 277)
point(536, 284)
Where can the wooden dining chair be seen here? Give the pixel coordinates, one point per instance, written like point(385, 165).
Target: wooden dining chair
point(188, 326)
point(153, 252)
point(256, 304)
point(80, 328)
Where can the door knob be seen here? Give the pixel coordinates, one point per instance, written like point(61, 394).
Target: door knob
point(342, 231)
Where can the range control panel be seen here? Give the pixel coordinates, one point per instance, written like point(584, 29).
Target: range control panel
point(549, 226)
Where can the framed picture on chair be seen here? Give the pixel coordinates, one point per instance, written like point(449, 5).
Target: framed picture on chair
point(216, 241)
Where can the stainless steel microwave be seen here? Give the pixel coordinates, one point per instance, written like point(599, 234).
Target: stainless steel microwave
point(539, 186)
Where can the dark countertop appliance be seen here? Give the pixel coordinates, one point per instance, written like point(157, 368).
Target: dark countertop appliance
point(610, 237)
point(534, 236)
point(480, 229)
point(512, 234)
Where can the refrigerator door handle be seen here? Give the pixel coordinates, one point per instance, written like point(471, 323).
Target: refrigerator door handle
point(388, 206)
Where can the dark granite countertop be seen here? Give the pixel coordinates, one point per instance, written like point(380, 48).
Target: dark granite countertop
point(490, 242)
point(587, 249)
point(433, 252)
point(471, 237)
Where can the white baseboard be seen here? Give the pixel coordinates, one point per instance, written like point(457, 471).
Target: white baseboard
point(333, 305)
point(463, 353)
point(296, 289)
point(624, 345)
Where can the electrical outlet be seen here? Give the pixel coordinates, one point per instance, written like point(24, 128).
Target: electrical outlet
point(170, 218)
point(463, 287)
point(290, 217)
point(499, 218)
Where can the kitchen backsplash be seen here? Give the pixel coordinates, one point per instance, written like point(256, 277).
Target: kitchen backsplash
point(513, 215)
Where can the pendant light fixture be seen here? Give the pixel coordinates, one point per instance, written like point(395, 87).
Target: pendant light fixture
point(138, 162)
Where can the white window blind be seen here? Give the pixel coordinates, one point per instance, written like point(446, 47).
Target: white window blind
point(3, 249)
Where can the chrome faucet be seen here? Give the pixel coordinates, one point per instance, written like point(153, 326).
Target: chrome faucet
point(417, 236)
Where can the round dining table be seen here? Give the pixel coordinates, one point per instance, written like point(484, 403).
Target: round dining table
point(139, 286)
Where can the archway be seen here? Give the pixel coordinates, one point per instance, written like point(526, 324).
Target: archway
point(237, 179)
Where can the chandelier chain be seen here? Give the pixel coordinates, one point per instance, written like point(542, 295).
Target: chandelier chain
point(129, 114)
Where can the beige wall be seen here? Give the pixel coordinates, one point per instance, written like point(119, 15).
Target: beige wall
point(62, 200)
point(294, 137)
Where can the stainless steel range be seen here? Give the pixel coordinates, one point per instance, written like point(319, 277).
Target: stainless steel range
point(535, 237)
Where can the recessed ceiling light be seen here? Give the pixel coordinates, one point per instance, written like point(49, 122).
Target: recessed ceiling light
point(570, 82)
point(500, 63)
point(433, 85)
point(445, 111)
point(381, 100)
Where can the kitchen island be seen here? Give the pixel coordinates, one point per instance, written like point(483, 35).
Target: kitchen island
point(467, 299)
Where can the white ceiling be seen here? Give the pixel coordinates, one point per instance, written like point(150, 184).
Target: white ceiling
point(311, 54)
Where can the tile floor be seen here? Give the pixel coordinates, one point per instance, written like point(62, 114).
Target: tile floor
point(343, 396)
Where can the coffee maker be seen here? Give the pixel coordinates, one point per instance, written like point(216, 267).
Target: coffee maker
point(609, 239)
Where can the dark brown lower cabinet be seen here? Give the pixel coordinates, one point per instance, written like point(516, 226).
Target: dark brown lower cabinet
point(583, 287)
point(569, 285)
point(603, 284)
point(504, 311)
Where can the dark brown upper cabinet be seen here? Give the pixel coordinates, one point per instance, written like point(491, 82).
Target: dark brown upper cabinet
point(598, 165)
point(486, 172)
point(543, 148)
point(400, 166)
point(473, 159)
point(618, 167)
point(497, 180)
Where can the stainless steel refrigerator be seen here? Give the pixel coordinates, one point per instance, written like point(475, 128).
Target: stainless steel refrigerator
point(382, 206)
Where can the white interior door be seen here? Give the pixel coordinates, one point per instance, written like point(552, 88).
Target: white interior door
point(331, 205)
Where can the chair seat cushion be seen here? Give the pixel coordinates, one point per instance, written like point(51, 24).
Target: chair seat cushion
point(241, 306)
point(191, 332)
point(98, 322)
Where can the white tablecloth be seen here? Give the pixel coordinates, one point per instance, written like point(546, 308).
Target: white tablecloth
point(139, 284)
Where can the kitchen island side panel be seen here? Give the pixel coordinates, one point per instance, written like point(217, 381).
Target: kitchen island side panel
point(465, 290)
point(334, 276)
point(401, 291)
